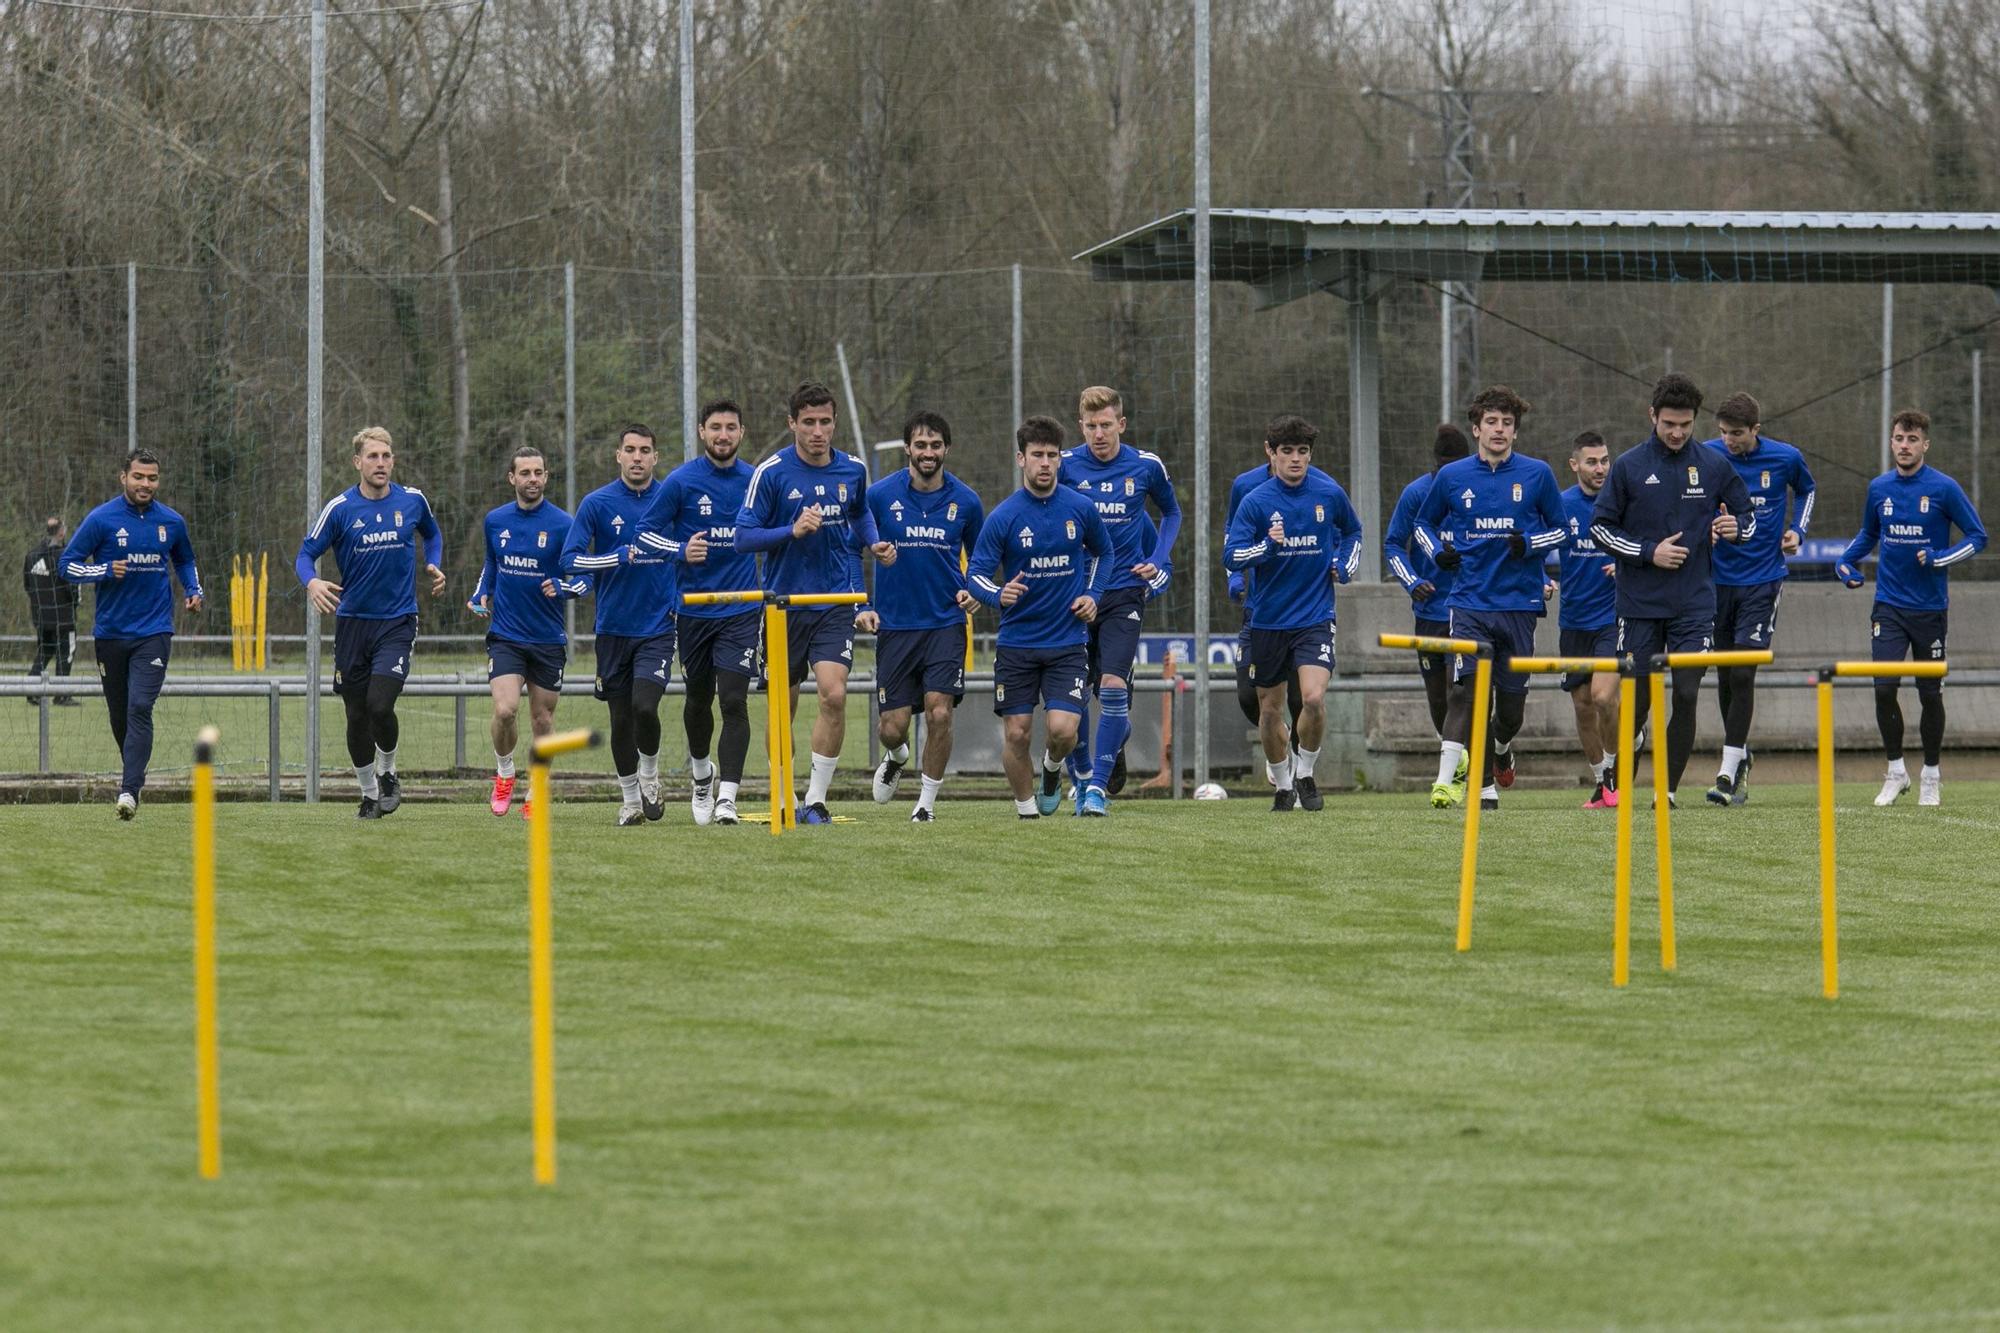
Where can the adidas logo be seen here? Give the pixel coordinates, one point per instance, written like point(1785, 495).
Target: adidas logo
point(617, 523)
point(158, 663)
point(795, 494)
point(1131, 615)
point(120, 533)
point(1653, 479)
point(359, 523)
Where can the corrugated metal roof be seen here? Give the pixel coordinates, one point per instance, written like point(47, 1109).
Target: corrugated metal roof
point(1288, 252)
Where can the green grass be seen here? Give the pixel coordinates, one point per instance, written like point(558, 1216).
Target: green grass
point(1179, 1069)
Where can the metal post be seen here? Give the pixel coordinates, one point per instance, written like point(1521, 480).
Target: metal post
point(131, 358)
point(1018, 399)
point(458, 730)
point(1975, 429)
point(1447, 367)
point(1888, 355)
point(1203, 261)
point(853, 408)
point(277, 707)
point(315, 360)
point(44, 727)
point(569, 421)
point(690, 349)
point(1364, 379)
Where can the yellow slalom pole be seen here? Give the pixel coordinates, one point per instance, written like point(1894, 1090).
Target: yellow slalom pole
point(263, 601)
point(963, 565)
point(778, 689)
point(1621, 911)
point(1475, 756)
point(235, 613)
point(541, 943)
point(207, 1076)
point(1663, 834)
point(1829, 916)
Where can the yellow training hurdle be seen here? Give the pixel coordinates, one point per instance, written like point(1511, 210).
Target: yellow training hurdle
point(1475, 755)
point(777, 683)
point(1829, 918)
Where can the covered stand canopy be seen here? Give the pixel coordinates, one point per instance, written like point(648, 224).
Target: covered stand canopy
point(1356, 254)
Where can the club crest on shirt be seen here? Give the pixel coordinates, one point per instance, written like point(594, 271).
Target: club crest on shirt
point(951, 511)
point(1923, 507)
point(843, 492)
point(1319, 513)
point(399, 518)
point(1069, 528)
point(1517, 492)
point(163, 527)
point(542, 540)
point(1694, 475)
point(1764, 480)
point(1131, 485)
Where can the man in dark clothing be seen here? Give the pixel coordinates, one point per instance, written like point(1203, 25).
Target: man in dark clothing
point(1666, 503)
point(52, 604)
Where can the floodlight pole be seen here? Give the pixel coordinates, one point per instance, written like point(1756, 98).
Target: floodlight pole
point(690, 349)
point(1203, 263)
point(315, 362)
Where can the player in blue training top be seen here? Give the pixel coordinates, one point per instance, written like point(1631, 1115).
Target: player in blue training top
point(634, 587)
point(1911, 511)
point(1497, 516)
point(1587, 621)
point(521, 590)
point(933, 520)
point(1407, 550)
point(693, 520)
point(127, 547)
point(1119, 480)
point(1043, 558)
point(807, 511)
point(1666, 504)
point(1238, 583)
point(372, 528)
point(1750, 576)
point(1299, 534)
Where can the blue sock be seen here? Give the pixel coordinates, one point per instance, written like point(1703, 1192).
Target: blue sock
point(1079, 758)
point(1114, 724)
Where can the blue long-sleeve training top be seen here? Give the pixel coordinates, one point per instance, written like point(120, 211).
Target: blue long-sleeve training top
point(700, 497)
point(1652, 493)
point(1480, 508)
point(1910, 516)
point(153, 542)
point(1775, 474)
point(634, 584)
point(1294, 581)
point(931, 530)
point(1120, 488)
point(1408, 555)
point(524, 549)
point(828, 560)
point(1058, 543)
point(375, 546)
point(1588, 593)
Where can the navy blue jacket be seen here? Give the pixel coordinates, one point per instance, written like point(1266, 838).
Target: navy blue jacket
point(1652, 493)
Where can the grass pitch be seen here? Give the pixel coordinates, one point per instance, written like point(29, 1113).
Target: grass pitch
point(1190, 1067)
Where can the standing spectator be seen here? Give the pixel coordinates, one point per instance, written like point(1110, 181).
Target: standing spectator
point(52, 603)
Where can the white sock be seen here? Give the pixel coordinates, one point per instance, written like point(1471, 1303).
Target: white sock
point(1499, 749)
point(699, 769)
point(1448, 756)
point(365, 775)
point(1732, 760)
point(1597, 769)
point(822, 778)
point(1051, 764)
point(1896, 769)
point(726, 791)
point(628, 788)
point(1610, 767)
point(649, 767)
point(1026, 807)
point(901, 754)
point(503, 764)
point(1281, 773)
point(1489, 793)
point(385, 760)
point(928, 800)
point(1303, 761)
point(1932, 773)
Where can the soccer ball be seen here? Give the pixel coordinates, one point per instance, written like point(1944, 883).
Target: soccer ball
point(1210, 791)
